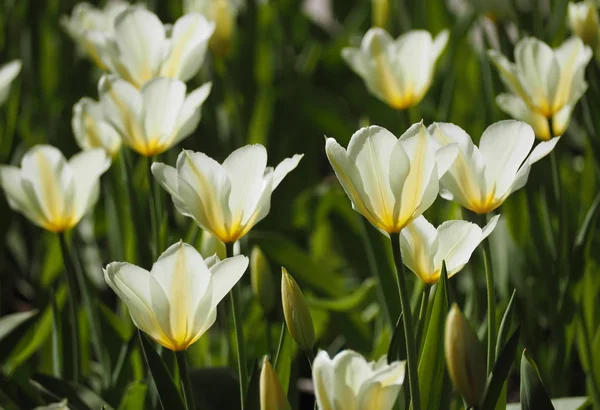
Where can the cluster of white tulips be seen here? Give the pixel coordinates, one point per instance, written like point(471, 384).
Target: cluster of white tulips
point(144, 105)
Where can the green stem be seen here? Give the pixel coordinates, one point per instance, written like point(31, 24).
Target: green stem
point(491, 310)
point(589, 353)
point(71, 276)
point(154, 214)
point(411, 354)
point(184, 376)
point(268, 336)
point(423, 313)
point(234, 297)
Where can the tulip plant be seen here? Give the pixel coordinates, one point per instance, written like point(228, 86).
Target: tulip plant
point(299, 204)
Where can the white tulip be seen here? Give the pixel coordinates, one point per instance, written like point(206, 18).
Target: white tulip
point(424, 247)
point(49, 190)
point(143, 48)
point(92, 130)
point(225, 199)
point(8, 73)
point(91, 27)
point(398, 72)
point(223, 13)
point(483, 177)
point(349, 382)
point(544, 84)
point(583, 20)
point(155, 118)
point(390, 181)
point(176, 302)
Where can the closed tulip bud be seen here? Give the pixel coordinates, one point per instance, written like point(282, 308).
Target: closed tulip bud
point(297, 316)
point(583, 21)
point(464, 357)
point(8, 73)
point(381, 12)
point(272, 396)
point(261, 279)
point(209, 245)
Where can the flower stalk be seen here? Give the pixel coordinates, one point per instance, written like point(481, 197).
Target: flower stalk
point(186, 385)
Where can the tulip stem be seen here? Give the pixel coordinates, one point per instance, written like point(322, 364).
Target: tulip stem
point(423, 314)
point(72, 284)
point(234, 297)
point(184, 375)
point(491, 309)
point(154, 210)
point(411, 355)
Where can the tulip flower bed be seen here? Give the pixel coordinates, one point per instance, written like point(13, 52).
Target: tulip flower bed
point(177, 233)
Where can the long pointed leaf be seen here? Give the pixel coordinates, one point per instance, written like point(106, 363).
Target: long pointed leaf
point(533, 393)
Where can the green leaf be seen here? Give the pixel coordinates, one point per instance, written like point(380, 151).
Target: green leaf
point(168, 394)
point(135, 397)
point(12, 322)
point(533, 393)
point(79, 397)
point(564, 403)
point(397, 349)
point(500, 372)
point(283, 360)
point(252, 401)
point(215, 388)
point(432, 366)
point(505, 324)
point(345, 303)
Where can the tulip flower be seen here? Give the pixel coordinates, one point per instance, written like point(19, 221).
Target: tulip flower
point(92, 129)
point(465, 357)
point(398, 72)
point(349, 382)
point(155, 118)
point(223, 13)
point(272, 396)
point(390, 181)
point(424, 247)
point(143, 48)
point(483, 177)
point(8, 73)
point(176, 302)
point(225, 199)
point(544, 84)
point(584, 22)
point(49, 190)
point(91, 27)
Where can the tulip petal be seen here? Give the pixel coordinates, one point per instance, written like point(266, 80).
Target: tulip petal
point(399, 170)
point(17, 197)
point(457, 241)
point(539, 152)
point(87, 167)
point(489, 228)
point(285, 167)
point(377, 397)
point(132, 285)
point(370, 149)
point(508, 73)
point(324, 379)
point(52, 181)
point(189, 116)
point(516, 108)
point(166, 176)
point(418, 243)
point(140, 38)
point(445, 157)
point(245, 168)
point(560, 121)
point(163, 99)
point(572, 57)
point(504, 146)
point(225, 275)
point(8, 73)
point(188, 45)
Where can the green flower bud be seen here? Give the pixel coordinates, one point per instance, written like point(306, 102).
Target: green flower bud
point(464, 357)
point(261, 279)
point(297, 316)
point(272, 396)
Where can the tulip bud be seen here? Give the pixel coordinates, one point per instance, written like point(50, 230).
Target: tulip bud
point(297, 316)
point(464, 357)
point(583, 21)
point(209, 245)
point(261, 280)
point(272, 396)
point(380, 12)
